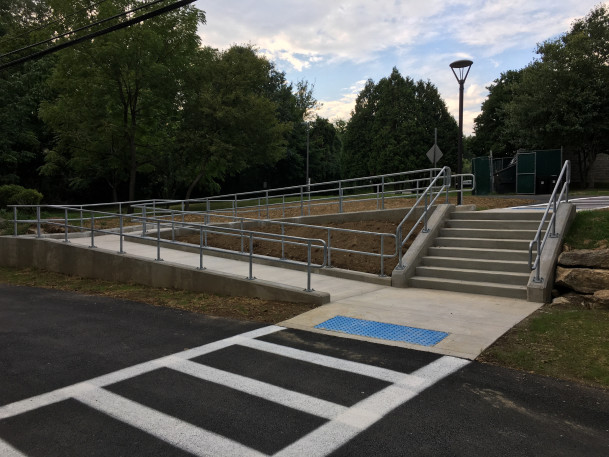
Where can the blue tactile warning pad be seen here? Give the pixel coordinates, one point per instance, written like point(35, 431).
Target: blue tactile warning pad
point(383, 331)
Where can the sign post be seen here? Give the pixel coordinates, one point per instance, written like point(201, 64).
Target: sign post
point(434, 154)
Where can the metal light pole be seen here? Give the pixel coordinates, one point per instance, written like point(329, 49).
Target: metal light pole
point(308, 182)
point(462, 67)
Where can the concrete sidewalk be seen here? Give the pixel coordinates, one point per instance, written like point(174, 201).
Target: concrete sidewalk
point(473, 322)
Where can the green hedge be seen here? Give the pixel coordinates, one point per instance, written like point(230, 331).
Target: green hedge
point(12, 194)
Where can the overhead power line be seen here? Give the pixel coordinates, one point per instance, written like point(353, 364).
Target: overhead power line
point(56, 21)
point(97, 33)
point(80, 29)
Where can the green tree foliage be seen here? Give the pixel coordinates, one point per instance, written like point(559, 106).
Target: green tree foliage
point(232, 117)
point(22, 134)
point(560, 99)
point(491, 133)
point(118, 96)
point(392, 127)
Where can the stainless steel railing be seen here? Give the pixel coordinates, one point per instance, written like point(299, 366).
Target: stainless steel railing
point(562, 184)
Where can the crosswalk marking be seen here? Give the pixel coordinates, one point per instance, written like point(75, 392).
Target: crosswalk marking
point(285, 397)
point(174, 431)
point(330, 436)
point(344, 423)
point(327, 361)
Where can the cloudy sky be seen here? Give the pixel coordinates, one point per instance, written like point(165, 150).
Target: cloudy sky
point(338, 45)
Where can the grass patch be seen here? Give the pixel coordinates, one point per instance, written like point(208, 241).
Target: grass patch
point(563, 343)
point(590, 230)
point(243, 308)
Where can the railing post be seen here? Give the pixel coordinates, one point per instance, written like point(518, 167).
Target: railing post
point(267, 204)
point(173, 228)
point(241, 234)
point(144, 220)
point(235, 206)
point(15, 220)
point(301, 201)
point(537, 264)
point(553, 233)
point(282, 241)
point(201, 267)
point(383, 192)
point(398, 246)
point(65, 227)
point(329, 265)
point(82, 222)
point(340, 196)
point(182, 211)
point(92, 231)
point(378, 196)
point(382, 275)
point(425, 229)
point(158, 242)
point(120, 235)
point(207, 205)
point(283, 205)
point(38, 221)
point(308, 289)
point(251, 257)
point(259, 209)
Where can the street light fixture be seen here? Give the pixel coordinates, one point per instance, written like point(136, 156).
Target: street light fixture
point(462, 68)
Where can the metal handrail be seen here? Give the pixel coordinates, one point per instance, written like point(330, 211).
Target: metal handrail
point(554, 203)
point(445, 175)
point(310, 243)
point(283, 224)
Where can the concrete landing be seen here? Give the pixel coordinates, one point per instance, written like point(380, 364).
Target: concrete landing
point(473, 322)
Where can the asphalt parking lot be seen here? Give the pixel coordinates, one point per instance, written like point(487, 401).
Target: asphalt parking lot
point(85, 375)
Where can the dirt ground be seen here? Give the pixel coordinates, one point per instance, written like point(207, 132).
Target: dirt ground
point(365, 243)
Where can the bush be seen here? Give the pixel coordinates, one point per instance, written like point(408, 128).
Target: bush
point(12, 194)
point(26, 197)
point(8, 192)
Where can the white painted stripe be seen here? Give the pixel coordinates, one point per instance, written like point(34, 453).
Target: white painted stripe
point(6, 450)
point(64, 393)
point(330, 436)
point(291, 399)
point(331, 362)
point(174, 431)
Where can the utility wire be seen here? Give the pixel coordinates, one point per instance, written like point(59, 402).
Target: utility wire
point(42, 26)
point(80, 29)
point(105, 31)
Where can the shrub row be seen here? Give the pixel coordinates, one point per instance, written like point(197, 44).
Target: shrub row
point(12, 194)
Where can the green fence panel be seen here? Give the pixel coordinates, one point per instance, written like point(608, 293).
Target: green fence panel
point(525, 173)
point(482, 172)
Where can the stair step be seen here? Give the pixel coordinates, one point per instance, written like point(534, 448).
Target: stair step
point(488, 234)
point(472, 287)
point(483, 243)
point(476, 253)
point(477, 264)
point(462, 274)
point(494, 224)
point(499, 215)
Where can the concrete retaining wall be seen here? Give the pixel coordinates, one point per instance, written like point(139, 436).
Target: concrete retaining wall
point(60, 257)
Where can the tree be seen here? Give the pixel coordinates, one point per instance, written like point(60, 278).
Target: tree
point(559, 100)
point(118, 96)
point(22, 134)
point(392, 126)
point(231, 121)
point(490, 128)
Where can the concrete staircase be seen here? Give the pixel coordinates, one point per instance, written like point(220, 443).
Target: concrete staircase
point(480, 252)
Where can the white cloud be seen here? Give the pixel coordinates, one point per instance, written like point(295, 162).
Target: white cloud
point(307, 39)
point(334, 110)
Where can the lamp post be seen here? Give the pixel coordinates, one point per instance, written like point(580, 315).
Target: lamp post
point(462, 68)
